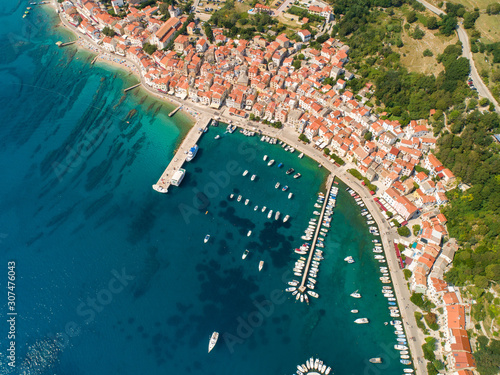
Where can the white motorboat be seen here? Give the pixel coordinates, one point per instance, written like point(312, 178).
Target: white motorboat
point(246, 172)
point(290, 195)
point(271, 162)
point(217, 136)
point(207, 237)
point(285, 219)
point(265, 157)
point(349, 259)
point(361, 321)
point(264, 208)
point(249, 233)
point(261, 265)
point(245, 254)
point(213, 341)
point(301, 155)
point(291, 289)
point(312, 294)
point(253, 177)
point(277, 216)
point(231, 196)
point(270, 214)
point(239, 198)
point(247, 201)
point(293, 283)
point(277, 185)
point(354, 311)
point(400, 347)
point(256, 208)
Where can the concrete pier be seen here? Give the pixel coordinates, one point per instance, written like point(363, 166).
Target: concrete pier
point(329, 183)
point(61, 44)
point(131, 87)
point(174, 111)
point(180, 155)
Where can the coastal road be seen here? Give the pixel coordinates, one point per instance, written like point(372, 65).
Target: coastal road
point(290, 136)
point(482, 90)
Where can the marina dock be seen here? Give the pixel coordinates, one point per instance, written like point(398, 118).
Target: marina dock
point(174, 111)
point(180, 155)
point(132, 87)
point(329, 184)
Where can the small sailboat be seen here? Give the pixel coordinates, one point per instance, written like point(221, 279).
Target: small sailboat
point(213, 341)
point(261, 264)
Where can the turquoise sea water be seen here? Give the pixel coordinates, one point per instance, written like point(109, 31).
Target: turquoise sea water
point(114, 278)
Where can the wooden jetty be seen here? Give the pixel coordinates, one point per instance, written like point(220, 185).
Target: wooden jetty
point(302, 288)
point(132, 87)
point(180, 156)
point(174, 111)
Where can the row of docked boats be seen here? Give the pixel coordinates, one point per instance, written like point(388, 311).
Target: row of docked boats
point(268, 139)
point(313, 366)
point(247, 133)
point(287, 147)
point(270, 213)
point(289, 171)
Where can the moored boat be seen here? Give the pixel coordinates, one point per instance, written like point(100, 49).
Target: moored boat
point(290, 196)
point(277, 185)
point(213, 341)
point(192, 153)
point(297, 175)
point(285, 219)
point(261, 265)
point(271, 162)
point(375, 360)
point(362, 321)
point(245, 254)
point(207, 237)
point(253, 177)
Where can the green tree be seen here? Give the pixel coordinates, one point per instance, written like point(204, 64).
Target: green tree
point(149, 48)
point(108, 32)
point(493, 8)
point(407, 273)
point(427, 53)
point(416, 228)
point(417, 33)
point(368, 136)
point(432, 23)
point(404, 231)
point(208, 32)
point(303, 138)
point(411, 16)
point(297, 64)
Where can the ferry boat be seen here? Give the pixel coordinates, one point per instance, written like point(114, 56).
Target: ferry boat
point(253, 177)
point(213, 341)
point(285, 219)
point(355, 294)
point(297, 175)
point(192, 153)
point(261, 264)
point(178, 177)
point(245, 254)
point(277, 185)
point(247, 201)
point(290, 196)
point(264, 208)
point(270, 214)
point(239, 198)
point(207, 237)
point(375, 360)
point(249, 233)
point(265, 158)
point(361, 321)
point(285, 188)
point(290, 171)
point(270, 163)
